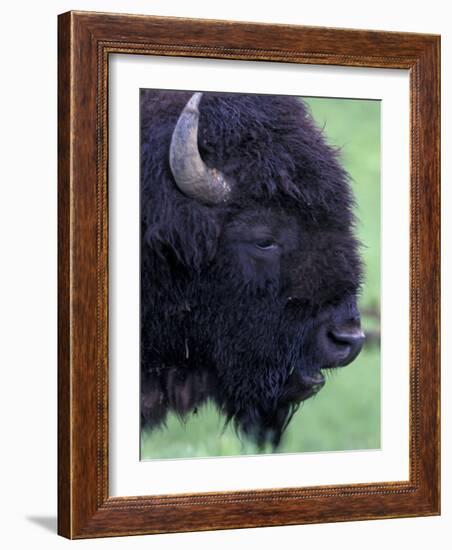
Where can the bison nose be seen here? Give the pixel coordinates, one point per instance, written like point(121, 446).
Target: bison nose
point(347, 342)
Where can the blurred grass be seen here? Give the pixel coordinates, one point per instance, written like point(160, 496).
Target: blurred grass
point(345, 415)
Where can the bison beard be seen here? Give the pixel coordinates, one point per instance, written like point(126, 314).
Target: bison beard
point(244, 298)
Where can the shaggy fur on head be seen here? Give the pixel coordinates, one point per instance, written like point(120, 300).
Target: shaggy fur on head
point(236, 299)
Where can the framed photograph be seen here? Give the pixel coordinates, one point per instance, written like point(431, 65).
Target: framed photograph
point(248, 275)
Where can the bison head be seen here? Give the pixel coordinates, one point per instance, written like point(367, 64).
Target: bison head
point(250, 268)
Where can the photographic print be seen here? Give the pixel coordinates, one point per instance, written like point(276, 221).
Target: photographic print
point(260, 274)
point(221, 265)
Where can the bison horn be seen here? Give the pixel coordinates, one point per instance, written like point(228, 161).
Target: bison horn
point(192, 176)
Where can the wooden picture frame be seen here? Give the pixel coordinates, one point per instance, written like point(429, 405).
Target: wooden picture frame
point(85, 42)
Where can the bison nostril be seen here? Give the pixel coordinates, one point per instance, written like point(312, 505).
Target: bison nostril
point(348, 342)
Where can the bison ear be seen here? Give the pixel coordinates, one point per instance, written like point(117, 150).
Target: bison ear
point(185, 233)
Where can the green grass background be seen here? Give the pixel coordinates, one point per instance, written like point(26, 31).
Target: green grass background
point(345, 415)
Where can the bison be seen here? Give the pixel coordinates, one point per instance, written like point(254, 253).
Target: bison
point(250, 268)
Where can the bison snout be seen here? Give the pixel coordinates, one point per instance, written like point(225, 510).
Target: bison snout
point(345, 343)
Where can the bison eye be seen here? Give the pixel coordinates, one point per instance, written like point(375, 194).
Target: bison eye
point(266, 244)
